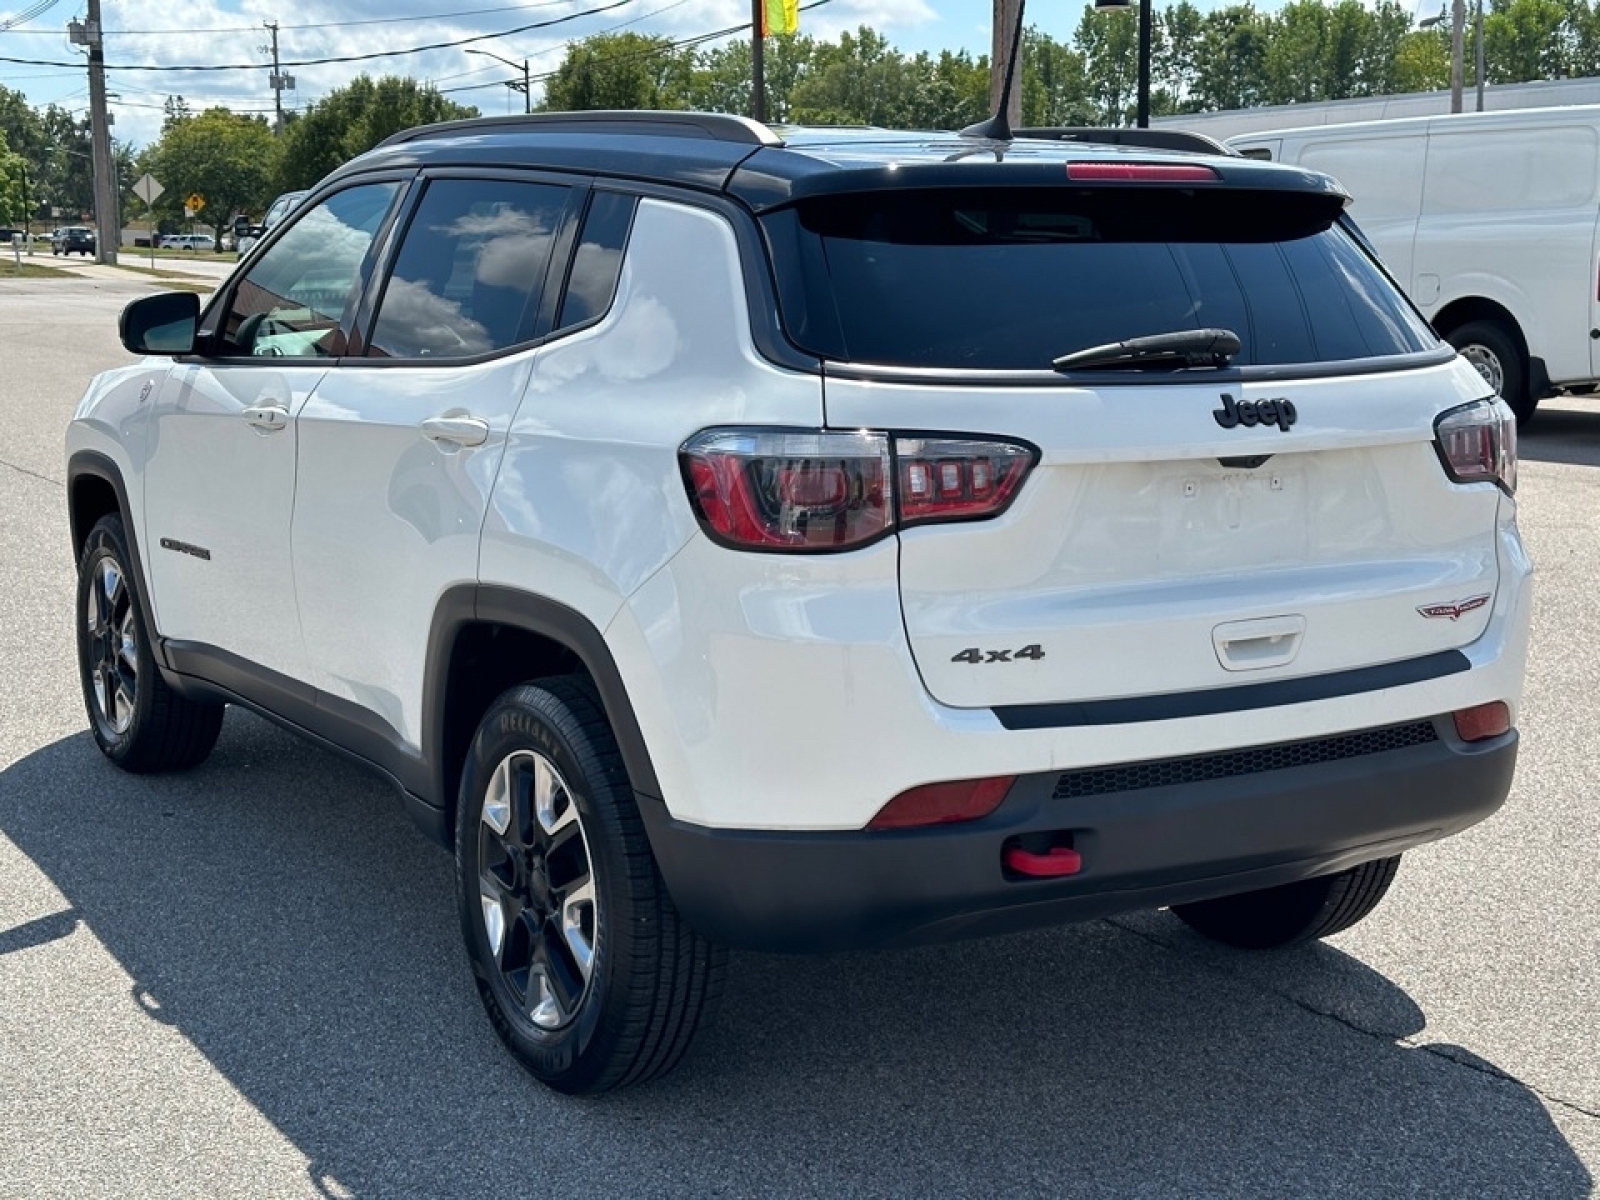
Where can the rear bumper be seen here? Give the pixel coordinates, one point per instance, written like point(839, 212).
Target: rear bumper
point(1143, 847)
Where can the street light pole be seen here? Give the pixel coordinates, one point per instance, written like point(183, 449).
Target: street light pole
point(525, 87)
point(1458, 21)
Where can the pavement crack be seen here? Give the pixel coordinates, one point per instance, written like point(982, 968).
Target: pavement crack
point(1444, 1053)
point(35, 474)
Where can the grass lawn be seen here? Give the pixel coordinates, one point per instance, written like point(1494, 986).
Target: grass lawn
point(11, 269)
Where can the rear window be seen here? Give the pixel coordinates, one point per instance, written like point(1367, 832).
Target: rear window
point(1012, 279)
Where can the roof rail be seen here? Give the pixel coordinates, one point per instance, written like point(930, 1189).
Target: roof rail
point(721, 127)
point(1155, 139)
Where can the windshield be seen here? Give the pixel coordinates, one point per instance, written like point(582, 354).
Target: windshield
point(1011, 279)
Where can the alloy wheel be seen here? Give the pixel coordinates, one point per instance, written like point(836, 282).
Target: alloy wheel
point(536, 889)
point(113, 645)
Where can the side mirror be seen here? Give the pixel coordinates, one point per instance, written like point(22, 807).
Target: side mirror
point(162, 324)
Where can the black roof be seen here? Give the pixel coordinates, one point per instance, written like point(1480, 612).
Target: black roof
point(770, 166)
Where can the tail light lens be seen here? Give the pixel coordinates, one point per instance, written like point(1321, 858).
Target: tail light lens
point(951, 480)
point(802, 491)
point(790, 490)
point(1477, 443)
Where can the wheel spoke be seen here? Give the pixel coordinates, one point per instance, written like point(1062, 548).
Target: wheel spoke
point(494, 922)
point(127, 648)
point(497, 803)
point(124, 712)
point(111, 574)
point(95, 606)
point(544, 1010)
point(563, 979)
point(578, 922)
point(552, 802)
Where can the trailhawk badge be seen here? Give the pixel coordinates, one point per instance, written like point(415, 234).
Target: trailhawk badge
point(1453, 610)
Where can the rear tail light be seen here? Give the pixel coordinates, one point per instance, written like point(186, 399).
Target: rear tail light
point(950, 480)
point(811, 490)
point(790, 490)
point(1477, 443)
point(943, 803)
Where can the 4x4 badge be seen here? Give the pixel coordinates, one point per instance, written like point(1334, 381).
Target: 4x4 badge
point(1233, 412)
point(1453, 610)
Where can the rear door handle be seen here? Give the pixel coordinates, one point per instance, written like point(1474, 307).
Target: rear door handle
point(456, 428)
point(269, 418)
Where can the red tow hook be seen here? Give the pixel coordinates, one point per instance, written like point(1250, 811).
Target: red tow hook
point(1055, 862)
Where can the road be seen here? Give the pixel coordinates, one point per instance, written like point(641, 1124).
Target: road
point(246, 980)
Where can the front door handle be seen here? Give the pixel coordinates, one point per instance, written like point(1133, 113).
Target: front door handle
point(456, 428)
point(268, 418)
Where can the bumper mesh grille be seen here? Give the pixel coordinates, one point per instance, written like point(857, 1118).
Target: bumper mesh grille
point(1137, 776)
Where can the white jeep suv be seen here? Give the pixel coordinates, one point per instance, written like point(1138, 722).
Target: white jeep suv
point(807, 539)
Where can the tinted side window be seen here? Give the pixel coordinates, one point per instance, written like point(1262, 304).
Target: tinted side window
point(293, 301)
point(595, 267)
point(470, 269)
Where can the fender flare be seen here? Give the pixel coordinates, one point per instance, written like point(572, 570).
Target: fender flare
point(100, 466)
point(471, 603)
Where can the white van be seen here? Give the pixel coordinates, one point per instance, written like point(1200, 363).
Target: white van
point(1489, 222)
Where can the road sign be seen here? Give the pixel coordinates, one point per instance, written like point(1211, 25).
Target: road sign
point(195, 202)
point(147, 189)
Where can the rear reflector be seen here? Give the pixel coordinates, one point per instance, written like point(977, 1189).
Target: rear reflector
point(1483, 721)
point(1133, 172)
point(943, 803)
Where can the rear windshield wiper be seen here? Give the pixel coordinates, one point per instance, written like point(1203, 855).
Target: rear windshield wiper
point(1185, 348)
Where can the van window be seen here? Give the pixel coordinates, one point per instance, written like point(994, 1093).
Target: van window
point(1382, 174)
point(1010, 279)
point(1526, 169)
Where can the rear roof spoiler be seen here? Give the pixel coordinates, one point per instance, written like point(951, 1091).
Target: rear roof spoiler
point(1154, 139)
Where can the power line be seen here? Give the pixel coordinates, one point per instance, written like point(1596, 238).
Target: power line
point(345, 58)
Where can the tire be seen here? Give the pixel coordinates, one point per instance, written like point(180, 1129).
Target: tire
point(1294, 913)
point(587, 973)
point(139, 722)
point(1492, 349)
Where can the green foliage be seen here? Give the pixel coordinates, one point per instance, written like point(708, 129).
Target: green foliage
point(618, 70)
point(350, 121)
point(12, 167)
point(224, 157)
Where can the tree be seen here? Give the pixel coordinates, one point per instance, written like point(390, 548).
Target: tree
point(618, 70)
point(12, 167)
point(226, 158)
point(1109, 44)
point(350, 121)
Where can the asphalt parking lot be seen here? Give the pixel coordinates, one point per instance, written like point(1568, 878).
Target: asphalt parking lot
point(246, 980)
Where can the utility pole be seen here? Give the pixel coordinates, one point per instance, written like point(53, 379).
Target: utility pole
point(1004, 32)
point(279, 80)
point(1458, 22)
point(1479, 24)
point(758, 62)
point(107, 234)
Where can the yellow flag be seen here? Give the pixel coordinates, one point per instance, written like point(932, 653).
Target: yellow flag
point(780, 17)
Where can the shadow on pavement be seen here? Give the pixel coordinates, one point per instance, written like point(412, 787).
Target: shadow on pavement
point(1563, 430)
point(275, 908)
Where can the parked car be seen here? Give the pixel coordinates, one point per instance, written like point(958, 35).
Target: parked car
point(276, 211)
point(188, 241)
point(73, 239)
point(814, 541)
point(1489, 221)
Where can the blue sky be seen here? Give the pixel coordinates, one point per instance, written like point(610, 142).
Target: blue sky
point(231, 32)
